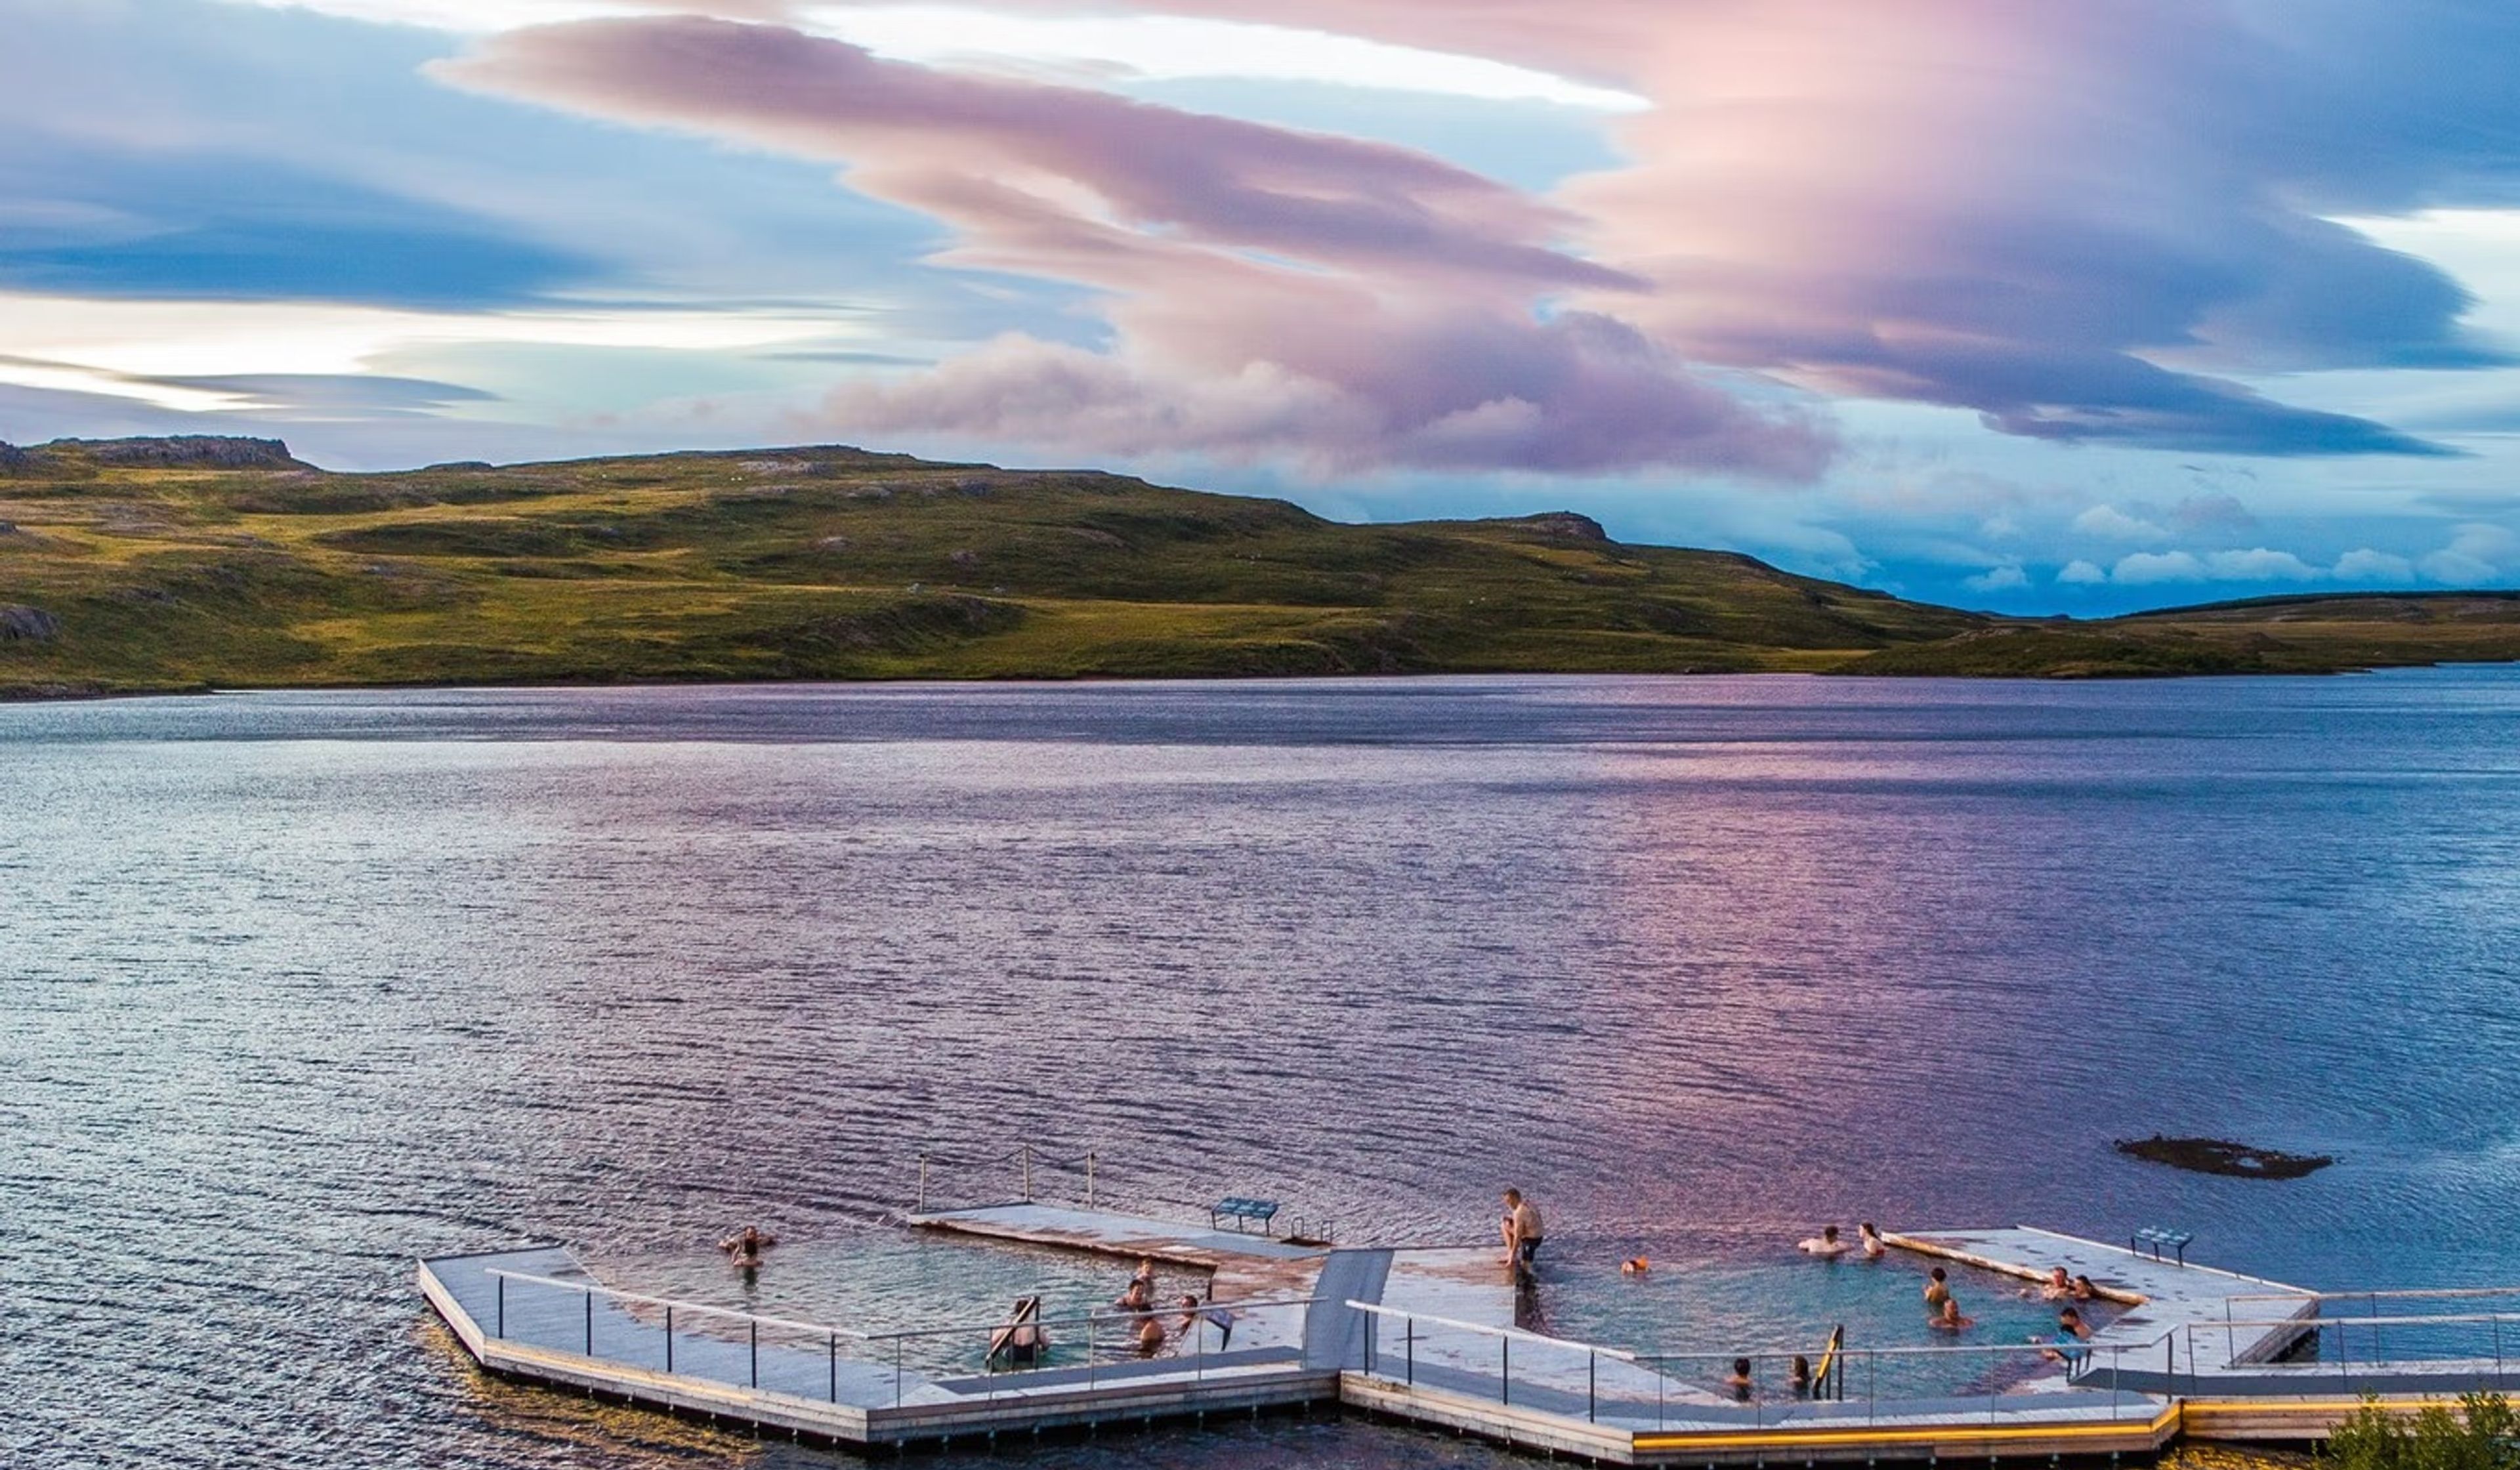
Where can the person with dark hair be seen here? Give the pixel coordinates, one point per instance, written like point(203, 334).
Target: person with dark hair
point(1802, 1377)
point(1740, 1380)
point(1825, 1244)
point(1938, 1289)
point(2071, 1330)
point(1874, 1246)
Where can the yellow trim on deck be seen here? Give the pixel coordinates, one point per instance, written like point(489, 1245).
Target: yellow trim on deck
point(1782, 1438)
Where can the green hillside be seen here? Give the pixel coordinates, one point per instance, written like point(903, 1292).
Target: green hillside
point(182, 563)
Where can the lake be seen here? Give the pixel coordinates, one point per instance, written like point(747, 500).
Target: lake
point(300, 986)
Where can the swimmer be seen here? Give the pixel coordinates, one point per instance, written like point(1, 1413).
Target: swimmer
point(1635, 1266)
point(2057, 1288)
point(2070, 1329)
point(1825, 1244)
point(1938, 1290)
point(1802, 1379)
point(1875, 1247)
point(745, 1245)
point(1219, 1318)
point(1948, 1320)
point(2085, 1291)
point(1151, 1337)
point(1138, 1296)
point(1740, 1380)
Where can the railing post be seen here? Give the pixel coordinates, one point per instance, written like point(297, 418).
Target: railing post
point(670, 1339)
point(1591, 1386)
point(1089, 1178)
point(1505, 1370)
point(923, 1181)
point(1409, 1325)
point(501, 1329)
point(1028, 1172)
point(1089, 1350)
point(835, 1367)
point(755, 1324)
point(590, 1323)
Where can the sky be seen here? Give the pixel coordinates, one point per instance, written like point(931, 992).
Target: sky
point(2038, 308)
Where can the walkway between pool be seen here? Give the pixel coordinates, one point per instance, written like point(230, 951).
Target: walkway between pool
point(1426, 1335)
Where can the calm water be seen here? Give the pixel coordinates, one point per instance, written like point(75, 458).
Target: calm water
point(298, 986)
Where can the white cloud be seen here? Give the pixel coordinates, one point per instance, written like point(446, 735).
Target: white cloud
point(119, 347)
point(2478, 553)
point(1161, 48)
point(2258, 565)
point(2110, 524)
point(2081, 573)
point(2143, 567)
point(2367, 565)
point(2006, 578)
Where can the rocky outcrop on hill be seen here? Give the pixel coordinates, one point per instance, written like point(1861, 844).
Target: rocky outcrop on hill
point(184, 452)
point(1574, 525)
point(23, 624)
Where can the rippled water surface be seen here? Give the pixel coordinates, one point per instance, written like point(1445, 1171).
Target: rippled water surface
point(298, 986)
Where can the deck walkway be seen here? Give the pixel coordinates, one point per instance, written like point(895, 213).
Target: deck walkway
point(1430, 1335)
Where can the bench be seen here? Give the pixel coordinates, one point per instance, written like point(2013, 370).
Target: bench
point(1245, 1212)
point(2174, 1241)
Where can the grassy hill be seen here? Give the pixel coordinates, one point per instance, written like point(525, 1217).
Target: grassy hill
point(183, 564)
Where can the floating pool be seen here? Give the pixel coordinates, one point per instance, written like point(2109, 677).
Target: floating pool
point(886, 1281)
point(1773, 1303)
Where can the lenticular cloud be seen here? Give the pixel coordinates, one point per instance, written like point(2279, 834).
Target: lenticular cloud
point(2082, 222)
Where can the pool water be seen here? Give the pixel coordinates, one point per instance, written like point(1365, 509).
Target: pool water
point(882, 1281)
point(1772, 1302)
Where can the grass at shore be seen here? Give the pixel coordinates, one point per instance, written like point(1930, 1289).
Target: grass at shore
point(180, 564)
point(834, 563)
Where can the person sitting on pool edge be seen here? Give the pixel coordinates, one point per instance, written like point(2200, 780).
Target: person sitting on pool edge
point(1824, 1245)
point(1875, 1247)
point(1948, 1320)
point(1523, 1231)
point(1740, 1380)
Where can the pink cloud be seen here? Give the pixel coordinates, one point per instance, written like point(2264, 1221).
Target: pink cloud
point(1271, 293)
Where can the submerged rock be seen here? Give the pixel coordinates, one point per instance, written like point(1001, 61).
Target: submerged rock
point(2222, 1156)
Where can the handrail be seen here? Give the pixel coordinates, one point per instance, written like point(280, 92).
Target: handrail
point(1486, 1330)
point(2405, 1294)
point(594, 1288)
point(1089, 1317)
point(682, 1304)
point(2314, 1322)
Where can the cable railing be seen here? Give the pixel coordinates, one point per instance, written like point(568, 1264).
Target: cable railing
point(1754, 1389)
point(765, 1353)
point(2420, 1338)
point(1031, 1174)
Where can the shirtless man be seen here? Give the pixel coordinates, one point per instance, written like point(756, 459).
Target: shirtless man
point(1824, 1245)
point(1938, 1290)
point(1523, 1231)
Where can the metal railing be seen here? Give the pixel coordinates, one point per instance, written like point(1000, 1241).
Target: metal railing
point(1031, 1171)
point(660, 1331)
point(2455, 1337)
point(1597, 1382)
